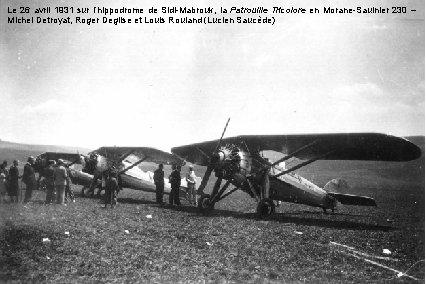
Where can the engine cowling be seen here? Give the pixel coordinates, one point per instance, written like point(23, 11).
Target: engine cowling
point(233, 163)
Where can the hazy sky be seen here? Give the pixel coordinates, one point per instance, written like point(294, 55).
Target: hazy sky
point(165, 85)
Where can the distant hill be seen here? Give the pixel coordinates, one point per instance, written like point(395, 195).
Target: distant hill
point(10, 151)
point(359, 174)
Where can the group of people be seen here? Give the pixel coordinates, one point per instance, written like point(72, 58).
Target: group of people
point(175, 183)
point(57, 181)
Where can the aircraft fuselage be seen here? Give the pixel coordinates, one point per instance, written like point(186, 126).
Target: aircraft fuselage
point(294, 188)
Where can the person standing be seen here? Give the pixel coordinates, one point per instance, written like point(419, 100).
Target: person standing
point(3, 168)
point(175, 180)
point(50, 182)
point(191, 180)
point(2, 187)
point(13, 182)
point(5, 172)
point(68, 191)
point(29, 179)
point(159, 184)
point(111, 188)
point(60, 178)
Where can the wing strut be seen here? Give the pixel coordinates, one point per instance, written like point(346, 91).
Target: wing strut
point(228, 193)
point(302, 164)
point(75, 161)
point(125, 156)
point(132, 166)
point(215, 198)
point(294, 153)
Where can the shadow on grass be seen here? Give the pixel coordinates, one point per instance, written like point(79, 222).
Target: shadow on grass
point(319, 220)
point(319, 213)
point(135, 201)
point(328, 222)
point(39, 202)
point(325, 221)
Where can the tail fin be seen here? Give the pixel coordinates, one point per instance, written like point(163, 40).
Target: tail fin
point(341, 185)
point(336, 185)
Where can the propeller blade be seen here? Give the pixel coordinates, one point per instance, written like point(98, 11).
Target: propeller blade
point(205, 179)
point(212, 163)
point(223, 133)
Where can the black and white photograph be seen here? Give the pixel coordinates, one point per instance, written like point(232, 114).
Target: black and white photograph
point(182, 141)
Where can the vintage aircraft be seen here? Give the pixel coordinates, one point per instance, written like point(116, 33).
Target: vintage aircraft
point(239, 162)
point(77, 177)
point(125, 159)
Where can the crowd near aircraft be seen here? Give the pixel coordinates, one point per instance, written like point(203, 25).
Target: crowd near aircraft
point(125, 159)
point(239, 162)
point(77, 177)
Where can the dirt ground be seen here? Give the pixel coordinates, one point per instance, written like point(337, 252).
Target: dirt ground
point(139, 241)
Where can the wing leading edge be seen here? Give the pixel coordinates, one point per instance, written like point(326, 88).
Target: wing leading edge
point(343, 146)
point(146, 153)
point(70, 157)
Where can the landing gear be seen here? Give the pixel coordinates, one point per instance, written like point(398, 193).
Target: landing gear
point(43, 185)
point(325, 210)
point(86, 192)
point(265, 208)
point(204, 204)
point(89, 191)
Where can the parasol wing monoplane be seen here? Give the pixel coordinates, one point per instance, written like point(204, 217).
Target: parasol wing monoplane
point(239, 161)
point(125, 159)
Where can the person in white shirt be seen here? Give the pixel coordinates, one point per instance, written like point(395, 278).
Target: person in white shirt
point(2, 187)
point(60, 179)
point(191, 179)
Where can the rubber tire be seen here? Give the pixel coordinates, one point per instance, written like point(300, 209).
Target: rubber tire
point(203, 205)
point(99, 192)
point(43, 185)
point(265, 208)
point(85, 192)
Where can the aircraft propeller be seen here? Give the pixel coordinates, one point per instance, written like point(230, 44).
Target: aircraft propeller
point(214, 157)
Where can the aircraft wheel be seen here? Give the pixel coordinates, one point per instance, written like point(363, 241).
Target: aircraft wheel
point(43, 185)
point(204, 205)
point(99, 192)
point(86, 192)
point(265, 208)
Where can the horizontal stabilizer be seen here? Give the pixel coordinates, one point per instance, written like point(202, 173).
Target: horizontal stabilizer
point(349, 199)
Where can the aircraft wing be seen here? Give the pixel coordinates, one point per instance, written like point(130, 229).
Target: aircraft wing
point(74, 158)
point(339, 146)
point(133, 154)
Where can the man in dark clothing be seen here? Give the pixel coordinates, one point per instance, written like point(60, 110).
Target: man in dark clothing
point(174, 180)
point(68, 192)
point(50, 182)
point(29, 179)
point(159, 184)
point(13, 182)
point(3, 169)
point(111, 188)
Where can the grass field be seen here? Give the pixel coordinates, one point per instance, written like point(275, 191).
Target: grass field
point(85, 243)
point(179, 245)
